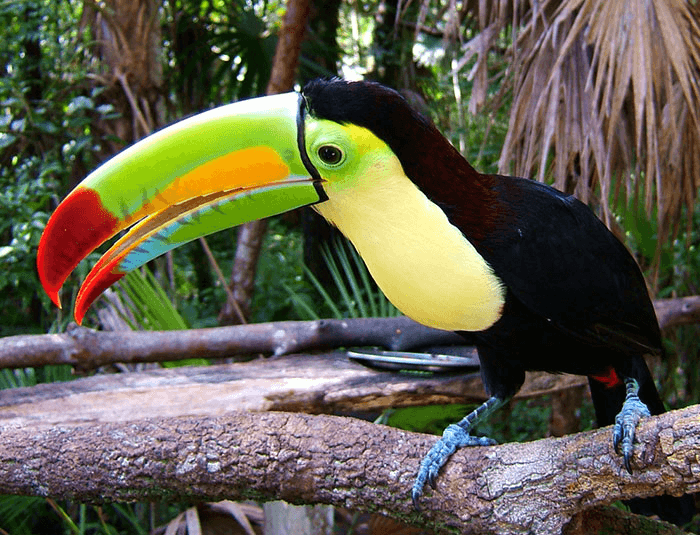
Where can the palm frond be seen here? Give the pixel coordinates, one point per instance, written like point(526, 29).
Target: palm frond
point(606, 90)
point(606, 95)
point(148, 307)
point(358, 295)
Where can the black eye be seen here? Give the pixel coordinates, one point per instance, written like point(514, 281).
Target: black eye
point(330, 154)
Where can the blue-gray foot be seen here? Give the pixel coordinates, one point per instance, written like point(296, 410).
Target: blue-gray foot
point(633, 410)
point(454, 437)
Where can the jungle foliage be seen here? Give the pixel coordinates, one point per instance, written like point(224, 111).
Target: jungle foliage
point(498, 78)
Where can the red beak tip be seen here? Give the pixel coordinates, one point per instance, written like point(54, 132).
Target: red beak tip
point(53, 295)
point(78, 226)
point(98, 280)
point(81, 308)
point(78, 317)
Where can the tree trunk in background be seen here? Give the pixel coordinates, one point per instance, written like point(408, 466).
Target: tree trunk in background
point(250, 235)
point(284, 65)
point(128, 45)
point(321, 43)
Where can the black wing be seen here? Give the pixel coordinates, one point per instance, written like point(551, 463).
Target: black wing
point(562, 263)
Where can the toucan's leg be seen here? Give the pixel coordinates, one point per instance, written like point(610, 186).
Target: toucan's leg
point(454, 437)
point(502, 379)
point(633, 409)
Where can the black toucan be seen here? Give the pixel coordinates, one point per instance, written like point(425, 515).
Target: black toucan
point(528, 272)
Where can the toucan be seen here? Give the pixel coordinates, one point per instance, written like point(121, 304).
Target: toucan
point(528, 273)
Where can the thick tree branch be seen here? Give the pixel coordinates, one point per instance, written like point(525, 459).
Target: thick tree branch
point(535, 487)
point(140, 444)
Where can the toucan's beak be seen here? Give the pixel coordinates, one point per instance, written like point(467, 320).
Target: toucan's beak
point(218, 169)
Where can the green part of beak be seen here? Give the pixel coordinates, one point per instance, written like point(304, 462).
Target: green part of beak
point(216, 170)
point(161, 163)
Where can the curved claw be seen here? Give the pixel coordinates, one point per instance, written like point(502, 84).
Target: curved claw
point(633, 410)
point(415, 497)
point(617, 436)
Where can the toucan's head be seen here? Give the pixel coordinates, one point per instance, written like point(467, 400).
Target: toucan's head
point(221, 168)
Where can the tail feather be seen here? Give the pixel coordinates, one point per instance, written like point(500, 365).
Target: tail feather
point(607, 402)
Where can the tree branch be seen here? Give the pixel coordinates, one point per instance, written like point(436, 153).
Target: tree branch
point(87, 349)
point(513, 488)
point(677, 311)
point(329, 383)
point(139, 444)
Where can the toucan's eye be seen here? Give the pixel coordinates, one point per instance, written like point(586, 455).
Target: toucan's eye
point(330, 154)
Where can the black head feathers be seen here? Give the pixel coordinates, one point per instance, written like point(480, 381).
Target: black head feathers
point(370, 105)
point(366, 104)
point(417, 143)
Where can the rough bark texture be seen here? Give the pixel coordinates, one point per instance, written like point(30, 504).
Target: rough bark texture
point(327, 383)
point(535, 487)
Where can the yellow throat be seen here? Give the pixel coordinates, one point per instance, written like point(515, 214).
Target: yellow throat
point(423, 264)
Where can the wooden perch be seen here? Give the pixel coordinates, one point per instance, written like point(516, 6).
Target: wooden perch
point(179, 434)
point(677, 311)
point(327, 383)
point(198, 433)
point(535, 487)
point(87, 349)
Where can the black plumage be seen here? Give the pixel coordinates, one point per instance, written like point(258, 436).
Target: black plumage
point(576, 301)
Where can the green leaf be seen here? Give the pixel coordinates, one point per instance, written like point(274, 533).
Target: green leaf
point(80, 103)
point(359, 295)
point(105, 109)
point(47, 127)
point(6, 140)
point(144, 297)
point(18, 125)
